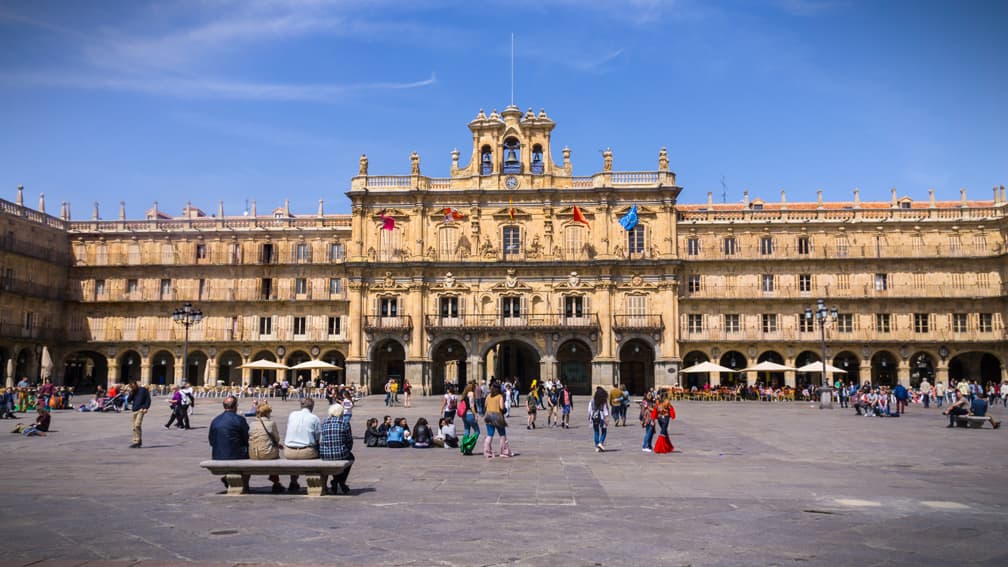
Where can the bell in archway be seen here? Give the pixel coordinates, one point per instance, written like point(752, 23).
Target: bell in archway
point(511, 157)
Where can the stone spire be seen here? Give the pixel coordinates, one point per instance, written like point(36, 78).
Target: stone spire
point(122, 210)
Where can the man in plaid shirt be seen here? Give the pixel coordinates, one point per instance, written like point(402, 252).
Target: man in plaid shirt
point(336, 443)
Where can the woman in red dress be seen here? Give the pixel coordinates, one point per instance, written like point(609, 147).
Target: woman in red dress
point(663, 412)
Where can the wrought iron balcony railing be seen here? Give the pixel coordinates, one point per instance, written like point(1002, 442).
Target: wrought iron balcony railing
point(492, 321)
point(646, 322)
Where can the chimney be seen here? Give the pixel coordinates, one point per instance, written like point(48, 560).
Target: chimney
point(20, 196)
point(122, 210)
point(857, 198)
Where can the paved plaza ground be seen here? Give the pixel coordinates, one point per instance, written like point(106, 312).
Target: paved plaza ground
point(749, 484)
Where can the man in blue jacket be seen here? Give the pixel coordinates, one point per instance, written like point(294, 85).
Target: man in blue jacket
point(141, 400)
point(229, 433)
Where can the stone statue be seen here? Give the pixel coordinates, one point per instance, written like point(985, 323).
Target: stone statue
point(663, 160)
point(372, 254)
point(414, 163)
point(535, 247)
point(618, 251)
point(363, 165)
point(431, 254)
point(487, 249)
point(607, 160)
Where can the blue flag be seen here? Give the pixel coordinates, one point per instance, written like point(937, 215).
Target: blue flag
point(629, 220)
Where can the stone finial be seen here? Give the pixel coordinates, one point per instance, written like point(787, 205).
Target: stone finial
point(710, 199)
point(931, 198)
point(857, 198)
point(542, 113)
point(893, 197)
point(122, 210)
point(414, 159)
point(41, 202)
point(220, 209)
point(819, 200)
point(63, 211)
point(253, 212)
point(480, 115)
point(607, 159)
point(94, 212)
point(455, 158)
point(783, 197)
point(320, 203)
point(662, 160)
point(996, 195)
point(286, 207)
point(566, 157)
point(1002, 194)
point(745, 197)
point(363, 165)
point(962, 197)
point(20, 196)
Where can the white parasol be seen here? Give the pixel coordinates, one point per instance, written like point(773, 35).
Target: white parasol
point(767, 366)
point(47, 363)
point(705, 367)
point(263, 364)
point(315, 364)
point(818, 367)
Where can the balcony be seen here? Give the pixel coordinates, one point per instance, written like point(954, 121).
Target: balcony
point(18, 331)
point(638, 323)
point(497, 321)
point(391, 324)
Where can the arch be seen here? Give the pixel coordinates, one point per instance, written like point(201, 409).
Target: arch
point(448, 366)
point(536, 166)
point(922, 366)
point(735, 360)
point(574, 366)
point(979, 365)
point(848, 361)
point(636, 366)
point(511, 358)
point(298, 377)
point(23, 364)
point(388, 361)
point(162, 368)
point(883, 369)
point(486, 160)
point(196, 368)
point(263, 377)
point(5, 355)
point(694, 379)
point(772, 379)
point(129, 367)
point(228, 372)
point(803, 379)
point(83, 370)
point(512, 156)
point(333, 376)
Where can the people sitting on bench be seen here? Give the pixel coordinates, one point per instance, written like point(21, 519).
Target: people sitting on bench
point(301, 442)
point(229, 437)
point(979, 407)
point(959, 407)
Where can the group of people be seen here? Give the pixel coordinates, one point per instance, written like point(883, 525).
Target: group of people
point(392, 392)
point(396, 434)
point(24, 397)
point(306, 437)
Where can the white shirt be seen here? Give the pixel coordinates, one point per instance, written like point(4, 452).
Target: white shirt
point(303, 430)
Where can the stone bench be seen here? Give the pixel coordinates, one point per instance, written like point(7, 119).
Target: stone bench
point(971, 421)
point(315, 471)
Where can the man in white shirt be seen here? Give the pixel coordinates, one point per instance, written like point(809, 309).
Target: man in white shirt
point(302, 438)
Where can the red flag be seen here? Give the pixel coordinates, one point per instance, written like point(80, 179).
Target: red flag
point(511, 210)
point(451, 214)
point(388, 223)
point(578, 217)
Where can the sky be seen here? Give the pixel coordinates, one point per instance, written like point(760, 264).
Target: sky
point(240, 100)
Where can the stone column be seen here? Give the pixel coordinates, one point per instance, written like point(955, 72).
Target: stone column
point(356, 373)
point(864, 373)
point(941, 373)
point(790, 377)
point(113, 371)
point(666, 374)
point(903, 373)
point(177, 371)
point(145, 373)
point(415, 371)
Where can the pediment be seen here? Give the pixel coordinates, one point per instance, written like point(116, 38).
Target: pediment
point(511, 283)
point(388, 283)
point(636, 283)
point(642, 211)
point(569, 212)
point(505, 213)
point(390, 212)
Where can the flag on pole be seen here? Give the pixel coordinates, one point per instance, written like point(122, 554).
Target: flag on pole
point(578, 217)
point(451, 214)
point(511, 210)
point(388, 223)
point(629, 220)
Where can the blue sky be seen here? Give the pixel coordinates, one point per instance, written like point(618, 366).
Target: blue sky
point(257, 99)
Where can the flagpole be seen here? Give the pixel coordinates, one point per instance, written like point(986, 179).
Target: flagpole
point(512, 68)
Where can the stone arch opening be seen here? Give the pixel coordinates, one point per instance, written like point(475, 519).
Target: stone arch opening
point(388, 362)
point(694, 379)
point(803, 379)
point(850, 363)
point(636, 366)
point(333, 376)
point(511, 359)
point(448, 366)
point(976, 365)
point(162, 368)
point(772, 379)
point(228, 372)
point(129, 367)
point(922, 367)
point(883, 369)
point(23, 365)
point(736, 361)
point(299, 378)
point(574, 366)
point(83, 370)
point(197, 369)
point(263, 377)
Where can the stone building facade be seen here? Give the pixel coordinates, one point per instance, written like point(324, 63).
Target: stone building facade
point(513, 266)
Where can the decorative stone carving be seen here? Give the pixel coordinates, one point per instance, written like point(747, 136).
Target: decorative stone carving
point(607, 160)
point(389, 280)
point(573, 279)
point(511, 280)
point(363, 165)
point(414, 163)
point(662, 160)
point(449, 280)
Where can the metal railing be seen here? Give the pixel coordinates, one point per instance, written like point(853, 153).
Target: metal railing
point(500, 321)
point(644, 322)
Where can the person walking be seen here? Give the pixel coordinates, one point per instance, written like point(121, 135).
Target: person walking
point(647, 419)
point(188, 403)
point(598, 417)
point(140, 401)
point(664, 412)
point(925, 390)
point(566, 404)
point(175, 403)
point(407, 389)
point(495, 424)
point(467, 411)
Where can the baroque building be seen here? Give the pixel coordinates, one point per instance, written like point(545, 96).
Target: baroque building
point(512, 267)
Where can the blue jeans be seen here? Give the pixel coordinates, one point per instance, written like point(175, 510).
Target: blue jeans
point(600, 431)
point(491, 430)
point(648, 435)
point(469, 421)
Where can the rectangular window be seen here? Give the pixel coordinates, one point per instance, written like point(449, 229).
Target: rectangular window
point(693, 284)
point(841, 247)
point(236, 253)
point(165, 292)
point(845, 322)
point(881, 282)
point(267, 256)
point(732, 323)
point(335, 251)
point(574, 240)
point(448, 237)
point(201, 251)
point(986, 323)
point(635, 240)
point(805, 283)
point(265, 325)
point(922, 322)
point(917, 243)
point(389, 307)
point(768, 283)
point(636, 307)
point(730, 246)
point(132, 287)
point(334, 326)
point(299, 326)
point(302, 252)
point(301, 286)
point(769, 323)
point(803, 245)
point(883, 323)
point(29, 320)
point(806, 324)
point(960, 322)
point(99, 288)
point(511, 307)
point(694, 323)
point(167, 253)
point(843, 281)
point(955, 244)
point(449, 307)
point(766, 247)
point(202, 289)
point(335, 286)
point(573, 306)
point(512, 240)
point(919, 280)
point(693, 247)
point(266, 289)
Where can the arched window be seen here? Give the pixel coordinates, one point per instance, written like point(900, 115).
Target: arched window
point(537, 160)
point(512, 163)
point(635, 240)
point(486, 160)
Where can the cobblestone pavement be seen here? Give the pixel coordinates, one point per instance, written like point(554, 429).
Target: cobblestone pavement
point(749, 484)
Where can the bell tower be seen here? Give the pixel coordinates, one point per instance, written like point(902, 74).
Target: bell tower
point(511, 145)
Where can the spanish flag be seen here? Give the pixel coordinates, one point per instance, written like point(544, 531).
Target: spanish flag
point(511, 210)
point(451, 214)
point(578, 217)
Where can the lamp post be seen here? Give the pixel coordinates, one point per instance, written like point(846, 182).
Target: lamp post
point(822, 314)
point(187, 316)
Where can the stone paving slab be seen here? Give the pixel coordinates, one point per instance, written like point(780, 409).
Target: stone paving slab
point(749, 483)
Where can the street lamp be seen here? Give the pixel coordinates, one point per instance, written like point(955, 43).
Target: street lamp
point(822, 314)
point(187, 316)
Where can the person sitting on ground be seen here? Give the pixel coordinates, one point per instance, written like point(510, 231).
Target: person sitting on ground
point(396, 438)
point(39, 428)
point(229, 437)
point(336, 444)
point(383, 429)
point(422, 435)
point(446, 434)
point(372, 437)
point(979, 407)
point(264, 440)
point(7, 409)
point(302, 439)
point(959, 407)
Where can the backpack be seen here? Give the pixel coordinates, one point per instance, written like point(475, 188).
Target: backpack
point(461, 409)
point(452, 403)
